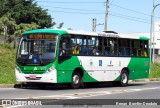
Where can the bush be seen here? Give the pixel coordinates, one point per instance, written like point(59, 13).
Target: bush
point(8, 46)
point(155, 70)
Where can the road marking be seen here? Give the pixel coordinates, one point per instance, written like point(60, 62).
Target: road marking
point(83, 95)
point(90, 94)
point(14, 106)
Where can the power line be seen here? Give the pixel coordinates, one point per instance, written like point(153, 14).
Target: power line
point(77, 12)
point(71, 2)
point(73, 9)
point(99, 12)
point(99, 2)
point(129, 18)
point(130, 10)
point(115, 15)
point(111, 2)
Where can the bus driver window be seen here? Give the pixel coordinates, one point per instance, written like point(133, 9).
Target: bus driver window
point(63, 49)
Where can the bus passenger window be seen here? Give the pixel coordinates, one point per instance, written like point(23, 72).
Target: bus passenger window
point(83, 50)
point(76, 49)
point(124, 47)
point(79, 45)
point(106, 51)
point(145, 49)
point(112, 47)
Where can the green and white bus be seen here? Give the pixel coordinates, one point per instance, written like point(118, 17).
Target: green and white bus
point(78, 57)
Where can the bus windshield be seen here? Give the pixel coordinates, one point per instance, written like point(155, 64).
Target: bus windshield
point(37, 49)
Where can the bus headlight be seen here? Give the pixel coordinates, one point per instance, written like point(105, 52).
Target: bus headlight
point(50, 69)
point(18, 69)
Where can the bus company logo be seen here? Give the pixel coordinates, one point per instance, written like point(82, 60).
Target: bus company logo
point(91, 62)
point(35, 68)
point(43, 68)
point(110, 63)
point(100, 62)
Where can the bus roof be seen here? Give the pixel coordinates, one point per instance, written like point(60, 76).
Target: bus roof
point(57, 31)
point(81, 32)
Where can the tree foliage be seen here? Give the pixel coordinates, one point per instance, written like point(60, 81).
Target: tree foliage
point(26, 11)
point(24, 27)
point(18, 16)
point(7, 24)
point(7, 27)
point(60, 25)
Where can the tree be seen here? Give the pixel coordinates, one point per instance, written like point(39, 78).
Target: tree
point(7, 25)
point(26, 11)
point(24, 27)
point(60, 25)
point(4, 9)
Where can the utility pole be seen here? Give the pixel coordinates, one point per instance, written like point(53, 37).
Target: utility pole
point(94, 25)
point(152, 32)
point(153, 59)
point(106, 15)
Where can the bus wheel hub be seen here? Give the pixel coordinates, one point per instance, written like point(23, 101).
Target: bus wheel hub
point(75, 79)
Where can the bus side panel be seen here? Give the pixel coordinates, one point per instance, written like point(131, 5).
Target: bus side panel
point(139, 68)
point(66, 69)
point(87, 78)
point(103, 68)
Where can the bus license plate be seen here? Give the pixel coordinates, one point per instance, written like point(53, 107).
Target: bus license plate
point(32, 76)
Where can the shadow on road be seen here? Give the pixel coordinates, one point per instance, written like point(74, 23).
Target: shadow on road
point(137, 84)
point(67, 86)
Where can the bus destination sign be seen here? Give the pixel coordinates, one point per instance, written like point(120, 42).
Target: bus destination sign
point(41, 36)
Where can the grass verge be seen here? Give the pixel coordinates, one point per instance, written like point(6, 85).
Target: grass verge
point(7, 64)
point(155, 70)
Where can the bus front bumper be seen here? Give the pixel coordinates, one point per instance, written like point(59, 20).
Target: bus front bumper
point(48, 77)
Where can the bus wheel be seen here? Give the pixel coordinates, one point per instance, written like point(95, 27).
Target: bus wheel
point(76, 80)
point(124, 78)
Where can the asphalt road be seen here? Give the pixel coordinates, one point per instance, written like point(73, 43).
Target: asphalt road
point(136, 90)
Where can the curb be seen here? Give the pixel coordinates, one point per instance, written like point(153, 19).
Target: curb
point(155, 79)
point(145, 80)
point(11, 85)
point(7, 85)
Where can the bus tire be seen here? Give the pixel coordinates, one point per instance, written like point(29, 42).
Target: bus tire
point(76, 80)
point(124, 78)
